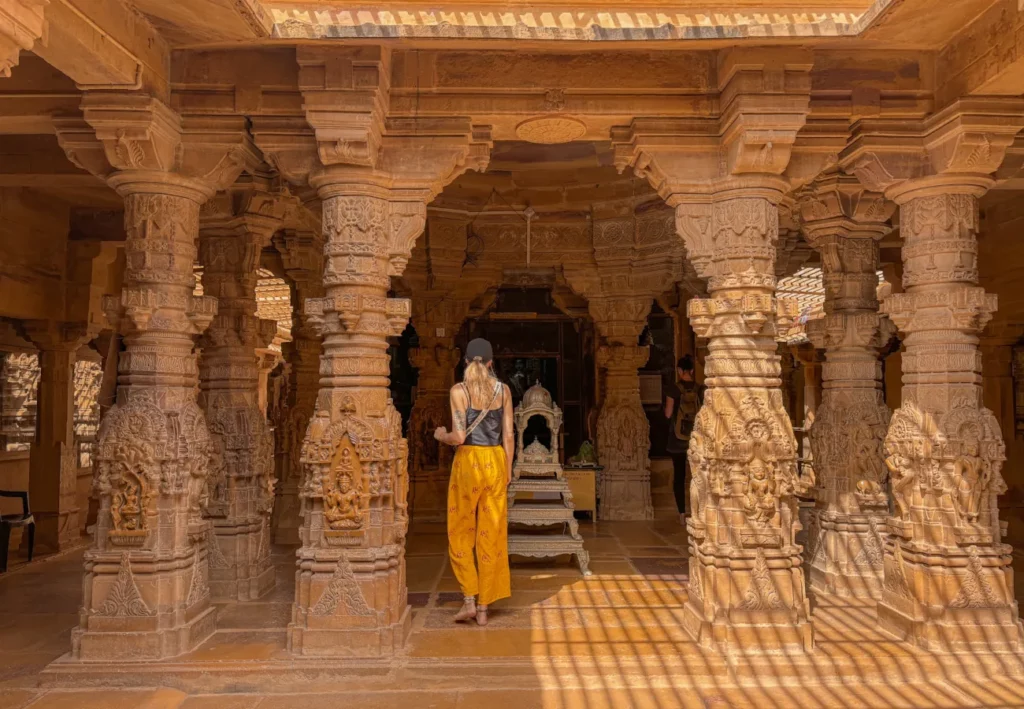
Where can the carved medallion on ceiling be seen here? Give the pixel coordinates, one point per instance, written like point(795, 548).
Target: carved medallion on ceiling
point(551, 129)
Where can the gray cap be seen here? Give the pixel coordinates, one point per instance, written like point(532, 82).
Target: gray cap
point(479, 349)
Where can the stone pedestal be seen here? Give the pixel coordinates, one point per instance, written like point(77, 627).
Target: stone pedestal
point(847, 527)
point(53, 461)
point(746, 578)
point(948, 581)
point(351, 596)
point(240, 487)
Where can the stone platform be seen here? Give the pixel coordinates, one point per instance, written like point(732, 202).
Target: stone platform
point(614, 639)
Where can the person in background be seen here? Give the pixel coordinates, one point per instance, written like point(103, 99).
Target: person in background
point(477, 491)
point(683, 398)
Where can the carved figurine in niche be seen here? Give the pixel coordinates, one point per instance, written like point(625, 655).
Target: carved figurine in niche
point(126, 509)
point(972, 474)
point(342, 498)
point(867, 459)
point(902, 474)
point(759, 500)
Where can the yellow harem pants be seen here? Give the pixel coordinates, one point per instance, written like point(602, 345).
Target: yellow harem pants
point(478, 516)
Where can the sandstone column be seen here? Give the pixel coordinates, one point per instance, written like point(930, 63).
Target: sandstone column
point(351, 592)
point(53, 461)
point(146, 593)
point(623, 432)
point(635, 260)
point(302, 254)
point(725, 178)
point(745, 566)
point(239, 493)
point(844, 222)
point(351, 595)
point(947, 577)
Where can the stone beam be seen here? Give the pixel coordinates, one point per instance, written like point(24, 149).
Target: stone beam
point(986, 58)
point(101, 45)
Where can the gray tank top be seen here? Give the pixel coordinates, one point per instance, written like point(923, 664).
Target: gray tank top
point(489, 430)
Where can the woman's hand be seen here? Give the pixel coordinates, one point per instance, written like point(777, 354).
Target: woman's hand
point(440, 433)
point(508, 478)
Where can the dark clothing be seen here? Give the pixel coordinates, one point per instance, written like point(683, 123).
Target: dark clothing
point(687, 399)
point(679, 480)
point(488, 431)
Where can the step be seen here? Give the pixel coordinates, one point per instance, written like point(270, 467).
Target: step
point(538, 513)
point(545, 545)
point(539, 485)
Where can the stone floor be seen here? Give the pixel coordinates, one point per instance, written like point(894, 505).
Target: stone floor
point(561, 641)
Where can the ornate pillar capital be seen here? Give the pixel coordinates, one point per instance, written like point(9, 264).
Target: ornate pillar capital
point(23, 23)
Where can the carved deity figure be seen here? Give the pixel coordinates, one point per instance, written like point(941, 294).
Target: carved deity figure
point(126, 506)
point(902, 474)
point(971, 474)
point(759, 500)
point(342, 499)
point(866, 452)
point(341, 506)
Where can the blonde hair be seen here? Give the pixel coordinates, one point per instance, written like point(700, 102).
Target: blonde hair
point(479, 380)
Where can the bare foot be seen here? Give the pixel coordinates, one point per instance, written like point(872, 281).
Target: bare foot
point(481, 615)
point(467, 612)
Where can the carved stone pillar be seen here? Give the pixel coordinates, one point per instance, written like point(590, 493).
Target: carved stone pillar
point(947, 583)
point(146, 592)
point(623, 432)
point(351, 596)
point(240, 487)
point(843, 222)
point(53, 461)
point(437, 321)
point(636, 258)
point(302, 254)
point(745, 565)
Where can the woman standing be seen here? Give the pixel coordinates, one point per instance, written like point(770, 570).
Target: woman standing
point(481, 472)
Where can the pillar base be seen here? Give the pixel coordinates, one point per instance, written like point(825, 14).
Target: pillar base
point(970, 600)
point(240, 567)
point(349, 605)
point(626, 500)
point(350, 642)
point(749, 632)
point(959, 630)
point(142, 608)
point(751, 603)
point(847, 559)
point(163, 644)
